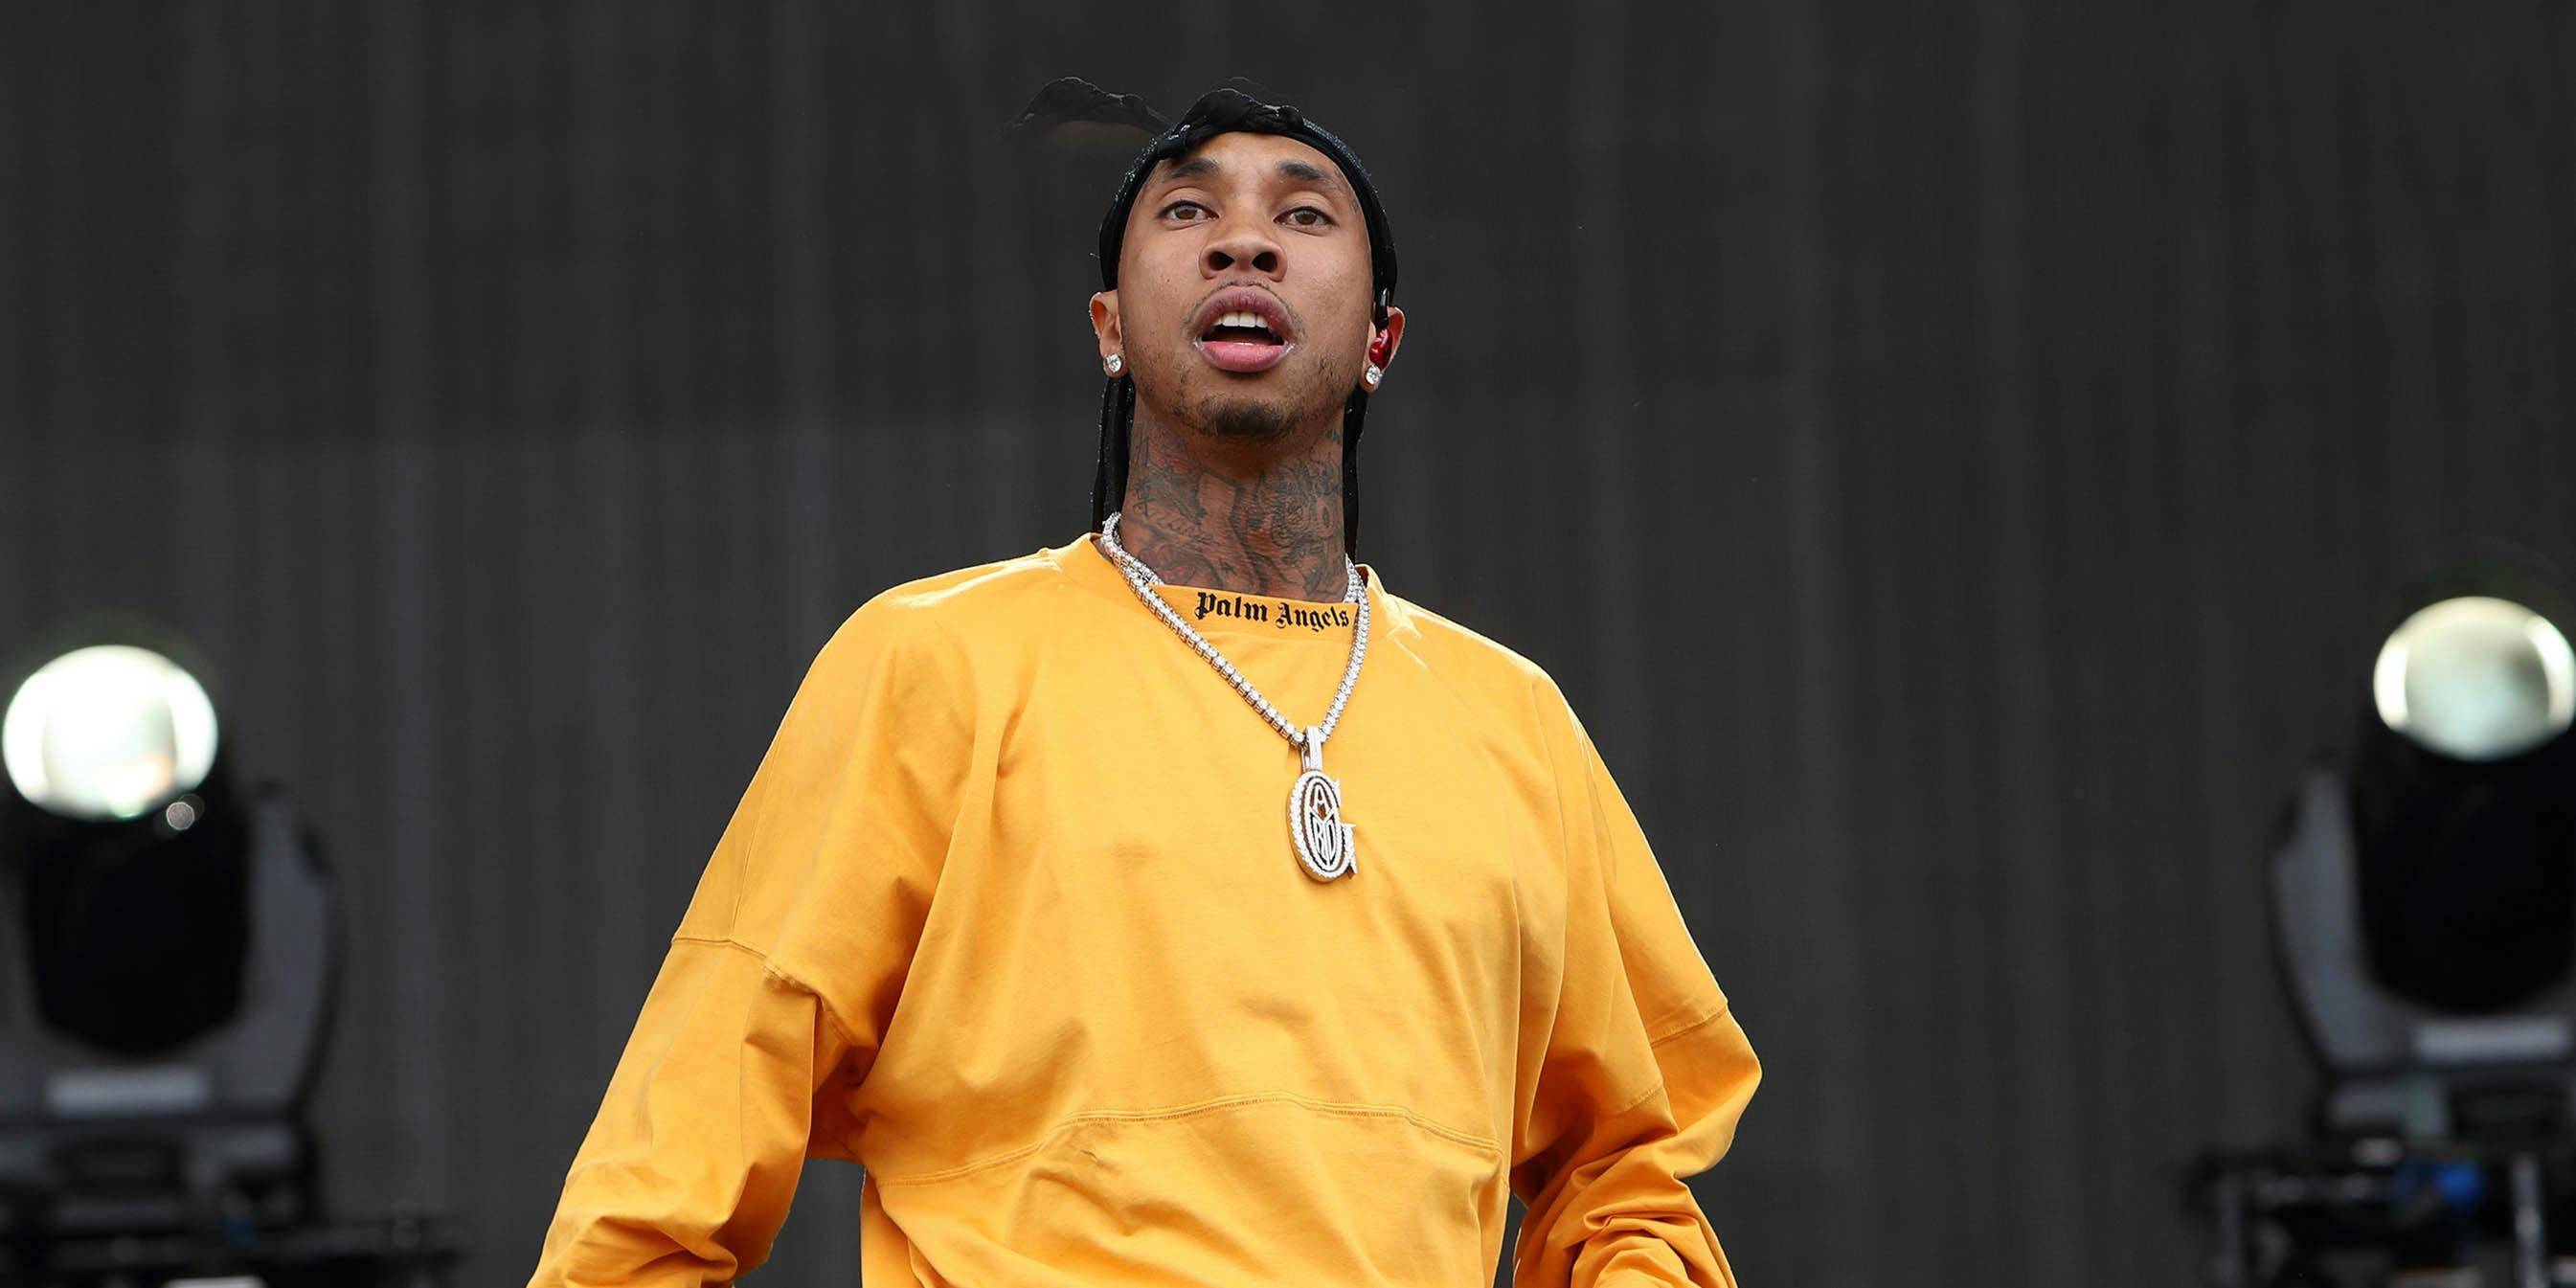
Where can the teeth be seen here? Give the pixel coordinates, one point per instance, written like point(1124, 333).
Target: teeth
point(1244, 319)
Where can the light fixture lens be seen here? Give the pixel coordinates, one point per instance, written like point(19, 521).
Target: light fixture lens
point(2476, 678)
point(108, 732)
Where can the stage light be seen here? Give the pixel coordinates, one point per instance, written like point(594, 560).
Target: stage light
point(137, 928)
point(111, 731)
point(2425, 890)
point(177, 954)
point(2476, 678)
point(2424, 904)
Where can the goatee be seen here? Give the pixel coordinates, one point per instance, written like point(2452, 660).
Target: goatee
point(1247, 420)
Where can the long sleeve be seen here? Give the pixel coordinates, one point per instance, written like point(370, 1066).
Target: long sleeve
point(778, 986)
point(688, 1170)
point(1645, 1071)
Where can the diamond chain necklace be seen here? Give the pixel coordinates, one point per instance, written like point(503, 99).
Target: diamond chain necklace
point(1315, 825)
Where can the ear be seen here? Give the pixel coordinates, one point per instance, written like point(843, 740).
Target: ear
point(1383, 344)
point(1104, 325)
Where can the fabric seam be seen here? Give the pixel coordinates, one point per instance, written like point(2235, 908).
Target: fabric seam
point(779, 973)
point(1339, 1109)
point(1710, 1017)
point(1642, 1097)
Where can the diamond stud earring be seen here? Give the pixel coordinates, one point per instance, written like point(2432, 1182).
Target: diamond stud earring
point(1115, 362)
point(1371, 375)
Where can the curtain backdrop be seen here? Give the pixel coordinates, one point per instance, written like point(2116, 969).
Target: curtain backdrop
point(1956, 459)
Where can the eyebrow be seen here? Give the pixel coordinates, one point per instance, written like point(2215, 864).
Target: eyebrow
point(1288, 168)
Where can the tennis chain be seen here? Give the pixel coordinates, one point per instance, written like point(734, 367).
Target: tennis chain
point(1323, 841)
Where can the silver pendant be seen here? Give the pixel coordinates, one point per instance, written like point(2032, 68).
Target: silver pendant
point(1315, 818)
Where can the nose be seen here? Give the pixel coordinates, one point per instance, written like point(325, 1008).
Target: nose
point(1242, 241)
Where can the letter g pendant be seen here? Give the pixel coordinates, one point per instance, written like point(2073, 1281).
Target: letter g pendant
point(1323, 840)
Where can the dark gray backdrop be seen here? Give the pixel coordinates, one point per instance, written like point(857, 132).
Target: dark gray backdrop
point(1955, 457)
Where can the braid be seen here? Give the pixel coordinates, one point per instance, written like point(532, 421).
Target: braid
point(1354, 422)
point(1354, 418)
point(1109, 480)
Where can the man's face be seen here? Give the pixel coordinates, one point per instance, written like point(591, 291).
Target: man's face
point(1245, 229)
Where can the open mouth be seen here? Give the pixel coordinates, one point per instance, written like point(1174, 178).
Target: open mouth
point(1242, 330)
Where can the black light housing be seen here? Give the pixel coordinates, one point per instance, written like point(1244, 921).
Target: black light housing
point(2463, 823)
point(136, 890)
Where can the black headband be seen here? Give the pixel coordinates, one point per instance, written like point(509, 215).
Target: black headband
point(1224, 110)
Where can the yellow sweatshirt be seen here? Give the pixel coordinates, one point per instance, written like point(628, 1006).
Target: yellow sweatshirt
point(1010, 915)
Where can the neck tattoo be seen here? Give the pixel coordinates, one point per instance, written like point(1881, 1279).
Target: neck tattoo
point(1315, 827)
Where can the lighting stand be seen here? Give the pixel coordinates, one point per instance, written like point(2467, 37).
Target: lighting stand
point(2383, 1211)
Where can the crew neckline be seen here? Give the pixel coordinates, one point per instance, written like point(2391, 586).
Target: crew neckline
point(1208, 609)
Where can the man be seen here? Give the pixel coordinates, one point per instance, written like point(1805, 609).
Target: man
point(1009, 913)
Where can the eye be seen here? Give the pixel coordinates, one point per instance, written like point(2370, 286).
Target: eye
point(1320, 219)
point(1183, 205)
